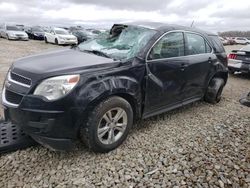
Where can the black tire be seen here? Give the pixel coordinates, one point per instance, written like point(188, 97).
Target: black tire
point(214, 90)
point(89, 131)
point(45, 39)
point(56, 41)
point(8, 37)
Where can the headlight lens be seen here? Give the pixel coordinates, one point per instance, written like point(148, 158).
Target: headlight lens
point(57, 87)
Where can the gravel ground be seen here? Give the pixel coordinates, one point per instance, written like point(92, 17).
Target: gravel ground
point(200, 145)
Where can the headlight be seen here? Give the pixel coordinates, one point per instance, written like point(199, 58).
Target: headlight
point(12, 34)
point(57, 87)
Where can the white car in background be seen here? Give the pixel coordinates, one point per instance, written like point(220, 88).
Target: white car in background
point(12, 32)
point(241, 40)
point(59, 36)
point(224, 41)
point(248, 38)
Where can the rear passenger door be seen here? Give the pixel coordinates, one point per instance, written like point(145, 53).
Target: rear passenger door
point(200, 60)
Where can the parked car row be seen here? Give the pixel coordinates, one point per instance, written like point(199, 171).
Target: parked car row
point(235, 40)
point(55, 35)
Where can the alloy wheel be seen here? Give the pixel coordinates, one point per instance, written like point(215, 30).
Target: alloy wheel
point(112, 126)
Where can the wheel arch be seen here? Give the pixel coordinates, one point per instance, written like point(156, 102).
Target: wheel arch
point(221, 74)
point(127, 96)
point(94, 92)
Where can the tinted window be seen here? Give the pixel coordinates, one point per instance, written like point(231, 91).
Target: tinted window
point(171, 45)
point(217, 44)
point(196, 44)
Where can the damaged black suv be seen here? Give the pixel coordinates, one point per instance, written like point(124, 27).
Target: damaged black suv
point(96, 91)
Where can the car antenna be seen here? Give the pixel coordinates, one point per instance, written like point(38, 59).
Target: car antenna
point(192, 24)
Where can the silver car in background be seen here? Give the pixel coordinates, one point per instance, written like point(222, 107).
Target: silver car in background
point(12, 32)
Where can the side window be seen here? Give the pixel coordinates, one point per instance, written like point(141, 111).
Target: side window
point(217, 44)
point(196, 44)
point(171, 45)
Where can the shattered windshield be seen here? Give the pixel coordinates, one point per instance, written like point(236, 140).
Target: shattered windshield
point(124, 43)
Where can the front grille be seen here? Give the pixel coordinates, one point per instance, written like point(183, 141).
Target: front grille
point(20, 79)
point(12, 97)
point(19, 35)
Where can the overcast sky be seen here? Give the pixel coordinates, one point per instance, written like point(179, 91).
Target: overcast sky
point(214, 15)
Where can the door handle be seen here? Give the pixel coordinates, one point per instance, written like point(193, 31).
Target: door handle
point(209, 60)
point(183, 66)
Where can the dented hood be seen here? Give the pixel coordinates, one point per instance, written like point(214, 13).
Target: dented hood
point(61, 61)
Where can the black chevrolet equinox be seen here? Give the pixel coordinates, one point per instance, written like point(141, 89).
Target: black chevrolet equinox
point(95, 91)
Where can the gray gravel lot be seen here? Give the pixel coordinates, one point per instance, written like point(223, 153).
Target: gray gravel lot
point(200, 145)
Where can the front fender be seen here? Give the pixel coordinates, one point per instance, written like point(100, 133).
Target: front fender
point(100, 88)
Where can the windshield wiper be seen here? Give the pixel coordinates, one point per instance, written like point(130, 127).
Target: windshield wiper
point(97, 52)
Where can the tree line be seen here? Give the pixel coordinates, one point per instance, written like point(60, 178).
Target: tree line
point(235, 34)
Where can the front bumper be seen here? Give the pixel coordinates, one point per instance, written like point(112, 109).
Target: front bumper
point(238, 65)
point(61, 41)
point(52, 124)
point(18, 38)
point(39, 37)
point(57, 144)
point(52, 129)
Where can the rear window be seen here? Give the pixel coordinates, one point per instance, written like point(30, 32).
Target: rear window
point(197, 44)
point(217, 44)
